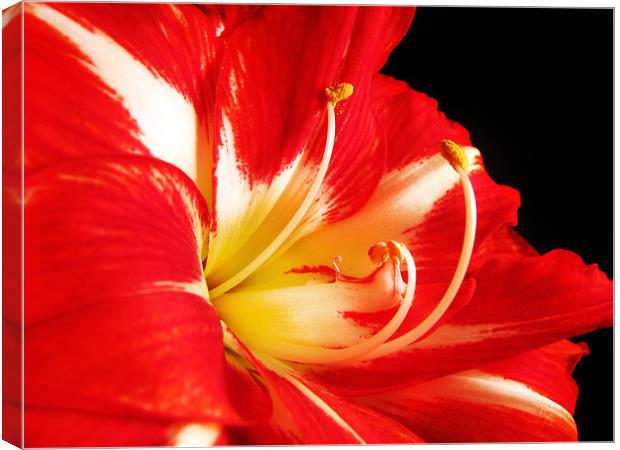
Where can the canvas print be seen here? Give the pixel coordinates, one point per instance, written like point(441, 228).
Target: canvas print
point(230, 225)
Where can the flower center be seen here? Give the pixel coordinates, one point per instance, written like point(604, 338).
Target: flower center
point(383, 254)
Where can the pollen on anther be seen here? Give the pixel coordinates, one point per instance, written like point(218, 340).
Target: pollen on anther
point(396, 250)
point(455, 154)
point(381, 251)
point(339, 92)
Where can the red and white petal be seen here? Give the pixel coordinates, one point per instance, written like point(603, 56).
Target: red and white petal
point(157, 355)
point(518, 305)
point(270, 131)
point(528, 398)
point(116, 309)
point(547, 370)
point(308, 413)
point(362, 145)
point(104, 79)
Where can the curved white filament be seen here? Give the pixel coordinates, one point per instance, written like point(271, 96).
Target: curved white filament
point(321, 355)
point(310, 197)
point(459, 274)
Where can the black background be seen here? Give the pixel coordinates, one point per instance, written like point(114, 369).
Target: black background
point(534, 87)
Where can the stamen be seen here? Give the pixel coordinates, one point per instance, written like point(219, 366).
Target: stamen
point(459, 274)
point(321, 355)
point(335, 94)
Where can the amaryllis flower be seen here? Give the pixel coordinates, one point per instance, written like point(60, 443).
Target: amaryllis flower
point(237, 231)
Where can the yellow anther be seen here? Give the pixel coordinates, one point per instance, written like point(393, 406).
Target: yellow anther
point(339, 92)
point(379, 253)
point(397, 250)
point(454, 154)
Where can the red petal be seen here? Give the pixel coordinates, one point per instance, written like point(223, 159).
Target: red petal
point(117, 317)
point(172, 41)
point(518, 305)
point(308, 413)
point(58, 428)
point(506, 242)
point(130, 219)
point(157, 354)
point(520, 399)
point(106, 79)
point(412, 122)
point(12, 423)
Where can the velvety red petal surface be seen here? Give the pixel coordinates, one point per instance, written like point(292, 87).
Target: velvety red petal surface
point(59, 428)
point(412, 122)
point(308, 413)
point(117, 316)
point(108, 226)
point(528, 398)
